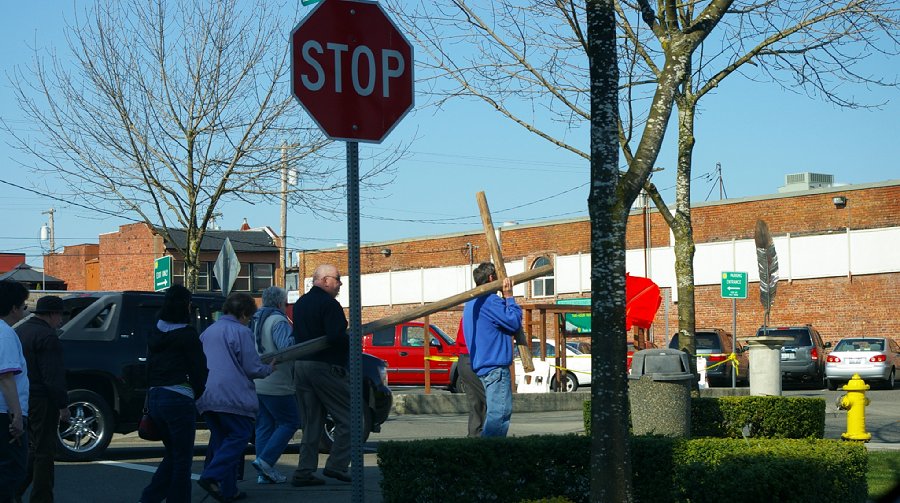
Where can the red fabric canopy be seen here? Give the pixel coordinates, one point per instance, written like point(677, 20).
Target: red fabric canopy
point(642, 300)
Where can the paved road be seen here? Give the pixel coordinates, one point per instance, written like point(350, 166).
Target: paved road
point(131, 461)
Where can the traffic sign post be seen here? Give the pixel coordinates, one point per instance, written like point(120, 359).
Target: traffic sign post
point(162, 273)
point(734, 286)
point(227, 267)
point(352, 70)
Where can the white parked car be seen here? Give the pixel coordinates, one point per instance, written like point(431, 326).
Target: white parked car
point(577, 371)
point(873, 358)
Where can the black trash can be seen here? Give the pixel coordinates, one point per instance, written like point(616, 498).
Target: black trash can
point(659, 392)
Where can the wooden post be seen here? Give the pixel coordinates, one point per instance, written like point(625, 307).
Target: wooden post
point(497, 257)
point(297, 350)
point(427, 354)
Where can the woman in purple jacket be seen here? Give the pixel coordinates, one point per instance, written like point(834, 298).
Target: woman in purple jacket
point(229, 404)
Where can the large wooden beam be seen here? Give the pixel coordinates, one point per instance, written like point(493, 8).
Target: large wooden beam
point(500, 267)
point(320, 343)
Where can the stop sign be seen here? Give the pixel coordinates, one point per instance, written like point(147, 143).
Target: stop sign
point(352, 70)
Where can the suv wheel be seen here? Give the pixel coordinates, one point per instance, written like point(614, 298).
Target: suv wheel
point(90, 427)
point(327, 439)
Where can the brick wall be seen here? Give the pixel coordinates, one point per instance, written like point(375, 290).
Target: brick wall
point(862, 305)
point(70, 265)
point(127, 257)
point(836, 307)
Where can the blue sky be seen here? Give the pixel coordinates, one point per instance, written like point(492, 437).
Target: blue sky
point(758, 133)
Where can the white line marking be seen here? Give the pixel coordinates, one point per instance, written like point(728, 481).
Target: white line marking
point(140, 468)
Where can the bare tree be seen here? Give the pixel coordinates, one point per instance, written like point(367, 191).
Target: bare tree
point(814, 47)
point(557, 56)
point(166, 109)
point(530, 61)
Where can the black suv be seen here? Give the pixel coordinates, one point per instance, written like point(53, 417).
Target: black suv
point(802, 357)
point(105, 352)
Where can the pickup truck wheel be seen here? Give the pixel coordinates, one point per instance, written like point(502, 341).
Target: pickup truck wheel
point(327, 439)
point(570, 383)
point(89, 430)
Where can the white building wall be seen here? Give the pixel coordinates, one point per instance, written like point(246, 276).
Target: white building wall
point(875, 251)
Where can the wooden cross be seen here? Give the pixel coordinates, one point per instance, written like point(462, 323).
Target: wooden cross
point(497, 257)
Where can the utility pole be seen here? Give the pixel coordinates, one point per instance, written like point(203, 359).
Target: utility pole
point(284, 188)
point(50, 212)
point(722, 193)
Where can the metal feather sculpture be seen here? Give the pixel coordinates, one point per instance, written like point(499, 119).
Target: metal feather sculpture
point(768, 266)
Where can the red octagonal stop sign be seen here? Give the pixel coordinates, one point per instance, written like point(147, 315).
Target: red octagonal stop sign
point(352, 70)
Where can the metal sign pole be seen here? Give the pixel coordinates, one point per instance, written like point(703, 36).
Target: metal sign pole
point(355, 357)
point(733, 341)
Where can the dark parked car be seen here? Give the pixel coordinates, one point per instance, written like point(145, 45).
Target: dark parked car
point(105, 350)
point(377, 400)
point(714, 344)
point(803, 356)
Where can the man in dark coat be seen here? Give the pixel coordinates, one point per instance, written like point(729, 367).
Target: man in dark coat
point(47, 398)
point(323, 384)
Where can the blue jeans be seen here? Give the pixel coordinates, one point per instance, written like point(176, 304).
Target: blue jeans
point(228, 437)
point(175, 415)
point(276, 422)
point(498, 397)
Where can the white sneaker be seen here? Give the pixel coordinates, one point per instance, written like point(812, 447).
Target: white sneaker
point(262, 480)
point(268, 472)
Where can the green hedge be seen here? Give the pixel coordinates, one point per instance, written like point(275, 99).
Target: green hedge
point(556, 468)
point(767, 417)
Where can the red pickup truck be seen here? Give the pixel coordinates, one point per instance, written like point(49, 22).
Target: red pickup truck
point(403, 348)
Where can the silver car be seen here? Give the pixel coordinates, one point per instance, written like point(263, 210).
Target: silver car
point(873, 358)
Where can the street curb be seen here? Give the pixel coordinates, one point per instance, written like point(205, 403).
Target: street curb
point(457, 403)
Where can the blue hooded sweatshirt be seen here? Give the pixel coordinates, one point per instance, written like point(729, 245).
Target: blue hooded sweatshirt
point(489, 323)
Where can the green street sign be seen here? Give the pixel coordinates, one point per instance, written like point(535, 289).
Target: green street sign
point(734, 285)
point(577, 323)
point(162, 273)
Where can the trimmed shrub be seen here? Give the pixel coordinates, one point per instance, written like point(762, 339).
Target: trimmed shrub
point(485, 469)
point(766, 416)
point(556, 468)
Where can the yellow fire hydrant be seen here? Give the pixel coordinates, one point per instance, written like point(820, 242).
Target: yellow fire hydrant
point(854, 402)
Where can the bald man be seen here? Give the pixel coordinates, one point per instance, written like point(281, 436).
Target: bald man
point(323, 382)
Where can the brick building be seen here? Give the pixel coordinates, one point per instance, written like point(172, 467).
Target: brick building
point(123, 260)
point(837, 246)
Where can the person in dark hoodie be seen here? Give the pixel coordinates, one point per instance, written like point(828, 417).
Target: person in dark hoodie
point(176, 375)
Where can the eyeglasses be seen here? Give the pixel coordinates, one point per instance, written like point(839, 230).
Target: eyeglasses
point(336, 278)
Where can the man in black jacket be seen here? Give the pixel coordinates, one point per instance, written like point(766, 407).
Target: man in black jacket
point(47, 398)
point(322, 380)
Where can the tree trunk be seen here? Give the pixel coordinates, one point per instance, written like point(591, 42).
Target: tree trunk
point(192, 258)
point(683, 229)
point(610, 446)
